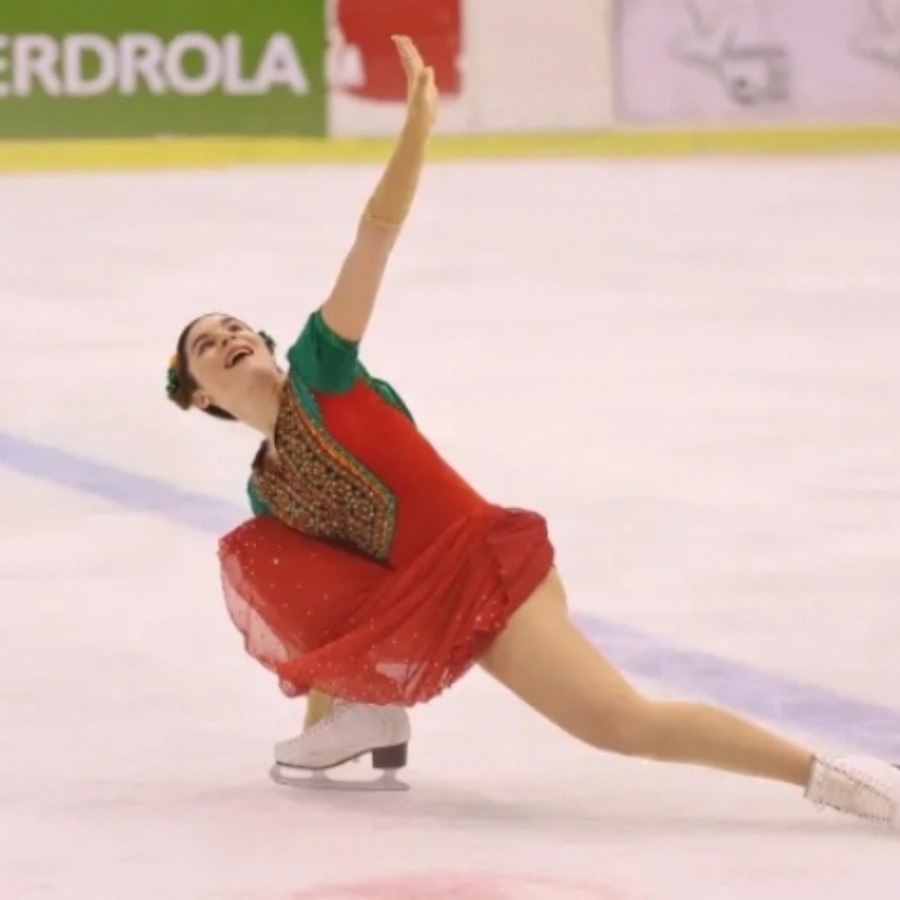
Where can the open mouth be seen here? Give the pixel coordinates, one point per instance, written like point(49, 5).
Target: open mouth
point(236, 356)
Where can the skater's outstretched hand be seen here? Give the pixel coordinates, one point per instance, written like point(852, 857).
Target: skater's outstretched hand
point(349, 307)
point(422, 94)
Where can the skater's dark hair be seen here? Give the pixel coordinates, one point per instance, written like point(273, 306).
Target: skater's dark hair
point(181, 384)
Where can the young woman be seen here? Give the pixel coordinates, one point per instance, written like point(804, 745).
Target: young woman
point(374, 573)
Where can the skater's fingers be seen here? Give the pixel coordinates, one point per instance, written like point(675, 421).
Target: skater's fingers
point(409, 55)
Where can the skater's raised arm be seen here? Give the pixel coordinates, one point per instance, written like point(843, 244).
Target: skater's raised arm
point(349, 307)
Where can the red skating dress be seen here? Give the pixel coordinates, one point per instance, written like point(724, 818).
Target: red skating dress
point(372, 571)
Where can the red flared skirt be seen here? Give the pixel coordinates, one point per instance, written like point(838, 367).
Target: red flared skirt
point(322, 616)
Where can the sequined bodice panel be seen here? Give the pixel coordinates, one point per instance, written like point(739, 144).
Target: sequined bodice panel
point(321, 490)
point(363, 476)
point(430, 495)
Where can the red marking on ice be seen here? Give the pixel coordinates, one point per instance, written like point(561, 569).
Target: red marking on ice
point(468, 887)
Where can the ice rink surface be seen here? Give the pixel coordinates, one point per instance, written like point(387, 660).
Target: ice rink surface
point(692, 368)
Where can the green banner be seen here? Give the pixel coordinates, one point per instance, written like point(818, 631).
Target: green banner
point(133, 68)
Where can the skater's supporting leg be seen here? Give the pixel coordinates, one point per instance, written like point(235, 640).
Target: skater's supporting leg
point(318, 705)
point(349, 731)
point(543, 658)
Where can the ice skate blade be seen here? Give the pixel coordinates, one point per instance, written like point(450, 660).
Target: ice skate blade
point(306, 779)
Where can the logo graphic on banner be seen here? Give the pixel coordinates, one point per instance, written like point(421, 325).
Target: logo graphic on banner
point(751, 71)
point(362, 59)
point(879, 42)
point(759, 61)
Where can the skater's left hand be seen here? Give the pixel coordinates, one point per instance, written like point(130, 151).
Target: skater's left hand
point(422, 94)
point(349, 307)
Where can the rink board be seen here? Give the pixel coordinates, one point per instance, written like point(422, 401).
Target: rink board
point(215, 152)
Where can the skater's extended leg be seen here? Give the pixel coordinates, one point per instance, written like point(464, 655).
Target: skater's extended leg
point(543, 658)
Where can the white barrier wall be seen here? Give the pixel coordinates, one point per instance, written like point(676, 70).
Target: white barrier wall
point(539, 65)
point(525, 66)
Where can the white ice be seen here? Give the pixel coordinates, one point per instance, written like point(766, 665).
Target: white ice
point(692, 368)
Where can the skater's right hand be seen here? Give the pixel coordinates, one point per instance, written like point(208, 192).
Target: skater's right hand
point(422, 95)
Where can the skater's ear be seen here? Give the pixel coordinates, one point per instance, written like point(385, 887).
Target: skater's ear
point(201, 400)
point(204, 402)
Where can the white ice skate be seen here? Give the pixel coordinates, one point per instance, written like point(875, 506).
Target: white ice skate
point(349, 731)
point(865, 788)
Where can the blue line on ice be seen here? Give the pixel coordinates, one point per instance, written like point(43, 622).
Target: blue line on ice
point(764, 695)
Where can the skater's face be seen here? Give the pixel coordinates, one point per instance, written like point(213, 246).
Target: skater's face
point(225, 358)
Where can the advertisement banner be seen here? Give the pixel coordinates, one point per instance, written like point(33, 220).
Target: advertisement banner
point(111, 68)
point(734, 62)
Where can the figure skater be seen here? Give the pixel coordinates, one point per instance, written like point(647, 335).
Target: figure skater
point(373, 573)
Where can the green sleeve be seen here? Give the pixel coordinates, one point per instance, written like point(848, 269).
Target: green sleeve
point(323, 360)
point(257, 504)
